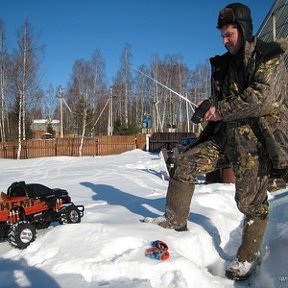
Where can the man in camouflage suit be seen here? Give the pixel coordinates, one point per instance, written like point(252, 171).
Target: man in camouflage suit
point(247, 125)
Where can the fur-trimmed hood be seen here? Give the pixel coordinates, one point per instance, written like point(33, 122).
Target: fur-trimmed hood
point(269, 50)
point(283, 42)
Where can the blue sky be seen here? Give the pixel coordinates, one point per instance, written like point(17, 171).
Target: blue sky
point(73, 29)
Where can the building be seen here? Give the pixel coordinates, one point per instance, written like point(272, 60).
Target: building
point(275, 25)
point(40, 126)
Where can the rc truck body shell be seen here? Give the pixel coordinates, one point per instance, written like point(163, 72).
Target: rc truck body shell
point(34, 204)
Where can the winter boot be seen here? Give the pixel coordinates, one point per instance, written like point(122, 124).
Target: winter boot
point(178, 199)
point(238, 270)
point(248, 252)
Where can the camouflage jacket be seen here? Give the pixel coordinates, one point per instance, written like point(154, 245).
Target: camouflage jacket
point(260, 96)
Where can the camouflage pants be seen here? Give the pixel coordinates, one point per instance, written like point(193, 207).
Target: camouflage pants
point(249, 163)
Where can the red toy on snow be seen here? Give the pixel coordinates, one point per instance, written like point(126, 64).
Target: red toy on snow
point(158, 251)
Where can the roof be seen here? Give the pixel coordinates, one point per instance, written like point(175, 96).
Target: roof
point(44, 121)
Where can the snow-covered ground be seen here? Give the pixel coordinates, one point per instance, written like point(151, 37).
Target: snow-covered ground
point(107, 248)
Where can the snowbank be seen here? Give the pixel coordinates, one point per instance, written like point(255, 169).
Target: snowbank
point(107, 248)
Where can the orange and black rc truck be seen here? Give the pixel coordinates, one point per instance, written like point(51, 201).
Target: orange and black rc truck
point(27, 207)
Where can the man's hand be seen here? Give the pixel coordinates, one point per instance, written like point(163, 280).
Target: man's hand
point(212, 114)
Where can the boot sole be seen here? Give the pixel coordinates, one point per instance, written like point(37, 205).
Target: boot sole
point(231, 276)
point(182, 229)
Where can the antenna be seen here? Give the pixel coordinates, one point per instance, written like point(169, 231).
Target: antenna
point(171, 90)
point(191, 104)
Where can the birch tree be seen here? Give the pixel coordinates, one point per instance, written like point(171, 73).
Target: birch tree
point(157, 123)
point(99, 92)
point(143, 95)
point(123, 85)
point(25, 64)
point(3, 82)
point(199, 82)
point(49, 102)
point(80, 94)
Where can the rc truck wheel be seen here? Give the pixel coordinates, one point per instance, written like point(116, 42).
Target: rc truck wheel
point(21, 234)
point(70, 214)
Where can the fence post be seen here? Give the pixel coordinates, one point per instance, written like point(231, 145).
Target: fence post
point(148, 138)
point(15, 151)
point(56, 147)
point(136, 142)
point(96, 147)
point(5, 151)
point(25, 147)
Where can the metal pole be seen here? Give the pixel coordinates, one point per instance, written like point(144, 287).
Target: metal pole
point(61, 118)
point(274, 26)
point(110, 115)
point(187, 116)
point(60, 97)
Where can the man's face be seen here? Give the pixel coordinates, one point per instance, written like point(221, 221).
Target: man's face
point(232, 38)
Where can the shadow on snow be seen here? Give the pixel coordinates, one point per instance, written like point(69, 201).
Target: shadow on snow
point(11, 271)
point(114, 196)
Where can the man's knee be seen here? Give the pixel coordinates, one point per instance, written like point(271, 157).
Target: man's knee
point(260, 211)
point(184, 169)
point(198, 160)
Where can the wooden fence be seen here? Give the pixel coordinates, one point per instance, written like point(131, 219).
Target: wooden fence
point(101, 145)
point(158, 141)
